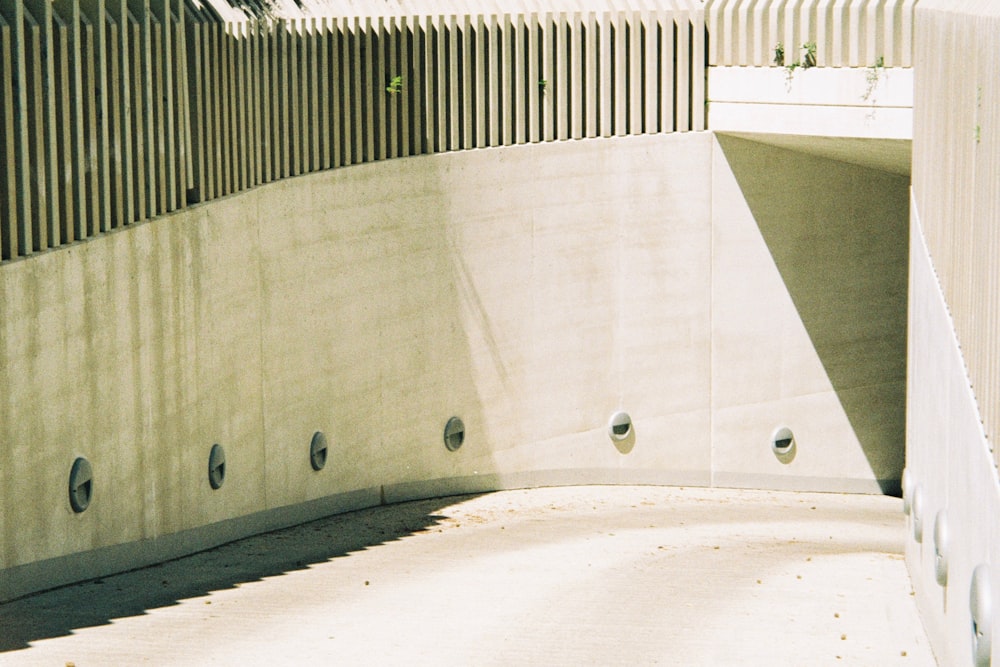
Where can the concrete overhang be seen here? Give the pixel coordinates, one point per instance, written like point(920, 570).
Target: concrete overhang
point(861, 115)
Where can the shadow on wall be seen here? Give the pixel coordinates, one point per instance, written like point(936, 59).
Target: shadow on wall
point(838, 234)
point(62, 611)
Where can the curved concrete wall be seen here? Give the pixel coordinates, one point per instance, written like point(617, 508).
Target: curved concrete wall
point(531, 290)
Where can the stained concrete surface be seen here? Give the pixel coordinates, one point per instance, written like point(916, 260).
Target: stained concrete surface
point(569, 575)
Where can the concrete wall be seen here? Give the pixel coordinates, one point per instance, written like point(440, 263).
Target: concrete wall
point(952, 405)
point(531, 290)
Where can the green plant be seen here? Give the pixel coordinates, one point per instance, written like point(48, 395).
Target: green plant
point(543, 84)
point(809, 55)
point(872, 77)
point(779, 54)
point(395, 85)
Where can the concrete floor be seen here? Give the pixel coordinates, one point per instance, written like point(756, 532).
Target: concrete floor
point(570, 576)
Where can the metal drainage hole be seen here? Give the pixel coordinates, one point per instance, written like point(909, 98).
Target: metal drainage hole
point(216, 466)
point(317, 451)
point(619, 426)
point(81, 485)
point(783, 444)
point(454, 434)
point(981, 610)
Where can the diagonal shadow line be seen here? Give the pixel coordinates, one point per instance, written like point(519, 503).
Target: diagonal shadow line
point(838, 234)
point(61, 611)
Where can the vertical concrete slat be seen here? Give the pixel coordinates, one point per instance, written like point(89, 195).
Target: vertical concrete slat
point(312, 116)
point(494, 81)
point(441, 85)
point(241, 106)
point(195, 57)
point(635, 61)
point(418, 87)
point(620, 73)
point(607, 89)
point(430, 89)
point(576, 76)
point(265, 102)
point(745, 36)
point(482, 90)
point(323, 97)
point(336, 94)
point(382, 76)
point(368, 89)
point(469, 110)
point(683, 74)
point(251, 69)
point(698, 74)
point(9, 202)
point(114, 116)
point(357, 99)
point(136, 115)
point(132, 177)
point(280, 122)
point(40, 11)
point(650, 94)
point(68, 177)
point(906, 36)
point(393, 99)
point(36, 147)
point(362, 90)
point(156, 139)
point(519, 75)
point(548, 75)
point(409, 96)
point(532, 78)
point(668, 117)
point(296, 84)
point(562, 80)
point(453, 122)
point(855, 34)
point(592, 76)
point(143, 109)
point(729, 35)
point(219, 66)
point(763, 49)
point(93, 153)
point(507, 80)
point(184, 142)
point(171, 109)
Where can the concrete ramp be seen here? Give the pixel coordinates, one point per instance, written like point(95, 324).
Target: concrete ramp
point(555, 576)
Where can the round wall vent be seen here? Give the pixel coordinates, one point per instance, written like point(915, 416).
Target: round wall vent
point(317, 451)
point(81, 485)
point(619, 426)
point(216, 466)
point(783, 444)
point(454, 434)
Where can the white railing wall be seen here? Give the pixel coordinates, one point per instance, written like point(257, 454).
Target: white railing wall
point(114, 112)
point(957, 123)
point(847, 33)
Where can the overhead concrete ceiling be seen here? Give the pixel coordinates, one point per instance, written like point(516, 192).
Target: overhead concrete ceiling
point(891, 155)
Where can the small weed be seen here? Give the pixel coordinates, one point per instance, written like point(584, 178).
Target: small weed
point(543, 84)
point(779, 54)
point(872, 77)
point(809, 55)
point(395, 85)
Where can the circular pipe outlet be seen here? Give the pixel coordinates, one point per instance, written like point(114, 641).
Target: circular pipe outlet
point(907, 484)
point(317, 451)
point(981, 610)
point(81, 485)
point(216, 466)
point(783, 444)
point(917, 513)
point(454, 434)
point(941, 547)
point(619, 426)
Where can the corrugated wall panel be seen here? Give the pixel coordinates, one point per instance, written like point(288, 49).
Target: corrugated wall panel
point(112, 114)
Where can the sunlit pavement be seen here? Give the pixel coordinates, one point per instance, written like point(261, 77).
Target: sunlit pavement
point(573, 575)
